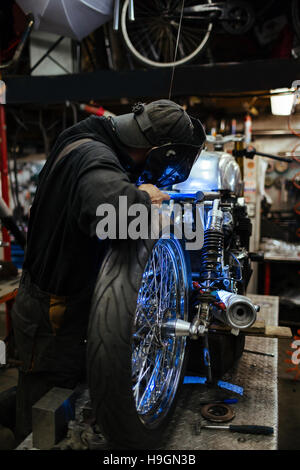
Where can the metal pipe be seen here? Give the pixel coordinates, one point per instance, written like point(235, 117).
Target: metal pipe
point(20, 47)
point(116, 15)
point(131, 10)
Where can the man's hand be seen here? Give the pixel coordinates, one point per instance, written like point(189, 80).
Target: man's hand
point(156, 196)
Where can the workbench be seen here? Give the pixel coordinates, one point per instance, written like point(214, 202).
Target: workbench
point(259, 405)
point(257, 374)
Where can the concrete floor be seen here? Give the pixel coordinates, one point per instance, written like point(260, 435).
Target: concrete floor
point(288, 395)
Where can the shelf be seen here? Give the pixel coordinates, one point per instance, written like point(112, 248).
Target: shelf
point(190, 80)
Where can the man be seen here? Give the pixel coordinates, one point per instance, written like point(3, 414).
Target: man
point(93, 162)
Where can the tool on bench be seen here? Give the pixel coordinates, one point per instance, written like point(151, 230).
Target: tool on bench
point(240, 428)
point(259, 353)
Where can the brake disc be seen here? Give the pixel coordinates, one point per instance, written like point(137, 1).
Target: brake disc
point(218, 413)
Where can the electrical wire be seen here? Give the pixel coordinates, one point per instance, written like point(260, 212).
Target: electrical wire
point(238, 266)
point(297, 209)
point(295, 178)
point(290, 126)
point(294, 156)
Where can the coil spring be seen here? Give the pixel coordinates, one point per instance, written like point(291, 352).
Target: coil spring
point(211, 253)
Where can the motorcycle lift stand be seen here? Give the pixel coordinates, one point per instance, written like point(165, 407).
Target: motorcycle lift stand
point(255, 373)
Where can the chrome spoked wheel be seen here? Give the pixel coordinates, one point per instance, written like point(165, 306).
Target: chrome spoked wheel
point(152, 37)
point(157, 360)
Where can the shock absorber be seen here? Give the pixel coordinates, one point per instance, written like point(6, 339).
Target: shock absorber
point(212, 250)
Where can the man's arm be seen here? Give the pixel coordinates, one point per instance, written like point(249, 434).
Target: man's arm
point(103, 185)
point(156, 196)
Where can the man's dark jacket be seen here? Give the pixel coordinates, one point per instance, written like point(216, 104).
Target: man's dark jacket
point(63, 254)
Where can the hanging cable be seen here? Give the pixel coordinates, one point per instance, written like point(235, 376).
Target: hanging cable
point(176, 48)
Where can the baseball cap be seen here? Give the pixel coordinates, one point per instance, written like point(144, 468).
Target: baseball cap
point(158, 123)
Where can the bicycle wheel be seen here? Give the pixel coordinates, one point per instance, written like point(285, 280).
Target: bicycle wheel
point(152, 37)
point(134, 370)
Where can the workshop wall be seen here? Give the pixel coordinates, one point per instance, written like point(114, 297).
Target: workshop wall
point(281, 193)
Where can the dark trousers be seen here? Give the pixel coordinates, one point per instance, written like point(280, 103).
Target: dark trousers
point(50, 345)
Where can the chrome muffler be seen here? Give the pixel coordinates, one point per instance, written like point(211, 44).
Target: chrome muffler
point(240, 312)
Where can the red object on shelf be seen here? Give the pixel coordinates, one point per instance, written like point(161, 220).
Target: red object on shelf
point(248, 129)
point(98, 111)
point(93, 110)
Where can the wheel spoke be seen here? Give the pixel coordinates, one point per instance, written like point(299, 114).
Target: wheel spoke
point(156, 362)
point(153, 35)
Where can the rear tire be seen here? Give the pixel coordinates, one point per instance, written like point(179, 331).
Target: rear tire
point(120, 343)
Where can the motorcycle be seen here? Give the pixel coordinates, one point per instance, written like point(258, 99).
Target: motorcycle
point(157, 298)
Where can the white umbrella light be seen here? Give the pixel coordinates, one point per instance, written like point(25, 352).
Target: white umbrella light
point(72, 18)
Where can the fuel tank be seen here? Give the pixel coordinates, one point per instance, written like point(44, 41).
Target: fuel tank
point(213, 171)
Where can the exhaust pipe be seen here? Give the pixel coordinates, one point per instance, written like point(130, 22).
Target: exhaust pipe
point(240, 311)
